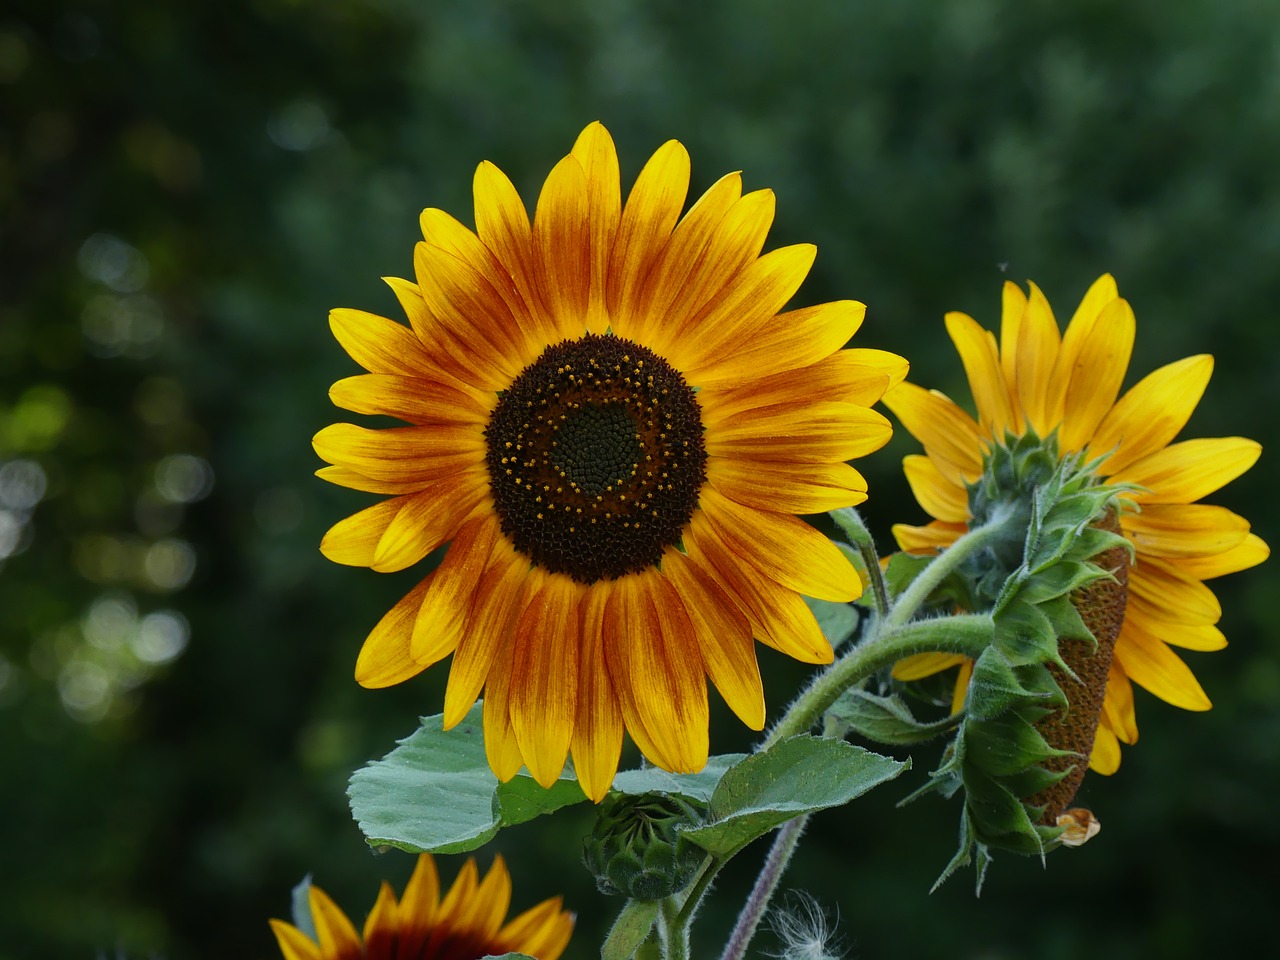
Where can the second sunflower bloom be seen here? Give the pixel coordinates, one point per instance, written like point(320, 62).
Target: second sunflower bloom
point(613, 426)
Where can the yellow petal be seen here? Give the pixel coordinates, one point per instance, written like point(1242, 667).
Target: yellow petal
point(950, 436)
point(1081, 328)
point(502, 223)
point(1013, 304)
point(421, 897)
point(1105, 758)
point(1248, 554)
point(834, 378)
point(724, 637)
point(334, 932)
point(1151, 413)
point(562, 244)
point(778, 615)
point(544, 677)
point(1150, 664)
point(542, 931)
point(428, 519)
point(413, 400)
point(800, 432)
point(500, 746)
point(890, 364)
point(443, 615)
point(346, 477)
point(482, 914)
point(1038, 341)
point(1097, 374)
point(597, 731)
point(981, 359)
point(930, 538)
point(657, 672)
point(378, 344)
point(1184, 472)
point(787, 487)
point(1178, 530)
point(353, 540)
point(784, 548)
point(750, 301)
point(652, 209)
point(380, 927)
point(1163, 587)
point(384, 659)
point(491, 622)
point(1118, 705)
point(460, 895)
point(921, 665)
point(797, 338)
point(401, 454)
point(595, 151)
point(961, 691)
point(294, 944)
point(940, 498)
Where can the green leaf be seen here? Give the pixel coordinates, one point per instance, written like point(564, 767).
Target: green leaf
point(885, 719)
point(694, 786)
point(800, 775)
point(837, 620)
point(435, 792)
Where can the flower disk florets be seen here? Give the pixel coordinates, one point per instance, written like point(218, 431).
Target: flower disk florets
point(595, 457)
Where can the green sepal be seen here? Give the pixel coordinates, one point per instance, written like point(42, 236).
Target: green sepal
point(884, 719)
point(1007, 746)
point(998, 686)
point(637, 848)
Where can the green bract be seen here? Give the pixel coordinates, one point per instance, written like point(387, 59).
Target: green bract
point(999, 758)
point(636, 850)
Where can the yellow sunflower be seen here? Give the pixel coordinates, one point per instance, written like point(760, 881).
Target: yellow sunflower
point(466, 925)
point(612, 426)
point(1038, 380)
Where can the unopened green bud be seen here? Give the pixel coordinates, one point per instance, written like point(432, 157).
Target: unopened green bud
point(636, 849)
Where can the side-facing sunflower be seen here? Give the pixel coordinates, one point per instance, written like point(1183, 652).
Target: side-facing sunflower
point(612, 426)
point(1064, 386)
point(466, 925)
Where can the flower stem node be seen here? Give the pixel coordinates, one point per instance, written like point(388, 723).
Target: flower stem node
point(636, 849)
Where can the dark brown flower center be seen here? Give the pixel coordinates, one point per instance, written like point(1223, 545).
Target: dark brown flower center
point(1101, 605)
point(595, 457)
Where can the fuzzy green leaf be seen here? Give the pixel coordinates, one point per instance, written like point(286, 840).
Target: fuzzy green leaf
point(885, 719)
point(694, 786)
point(435, 792)
point(800, 775)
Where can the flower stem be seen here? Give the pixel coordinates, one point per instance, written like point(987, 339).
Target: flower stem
point(784, 845)
point(943, 565)
point(677, 917)
point(965, 633)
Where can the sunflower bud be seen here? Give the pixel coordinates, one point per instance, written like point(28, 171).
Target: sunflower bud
point(636, 849)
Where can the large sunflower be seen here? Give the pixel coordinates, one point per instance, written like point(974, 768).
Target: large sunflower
point(612, 427)
point(466, 925)
point(1037, 380)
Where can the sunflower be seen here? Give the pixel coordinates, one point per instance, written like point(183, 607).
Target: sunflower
point(612, 427)
point(466, 925)
point(1039, 382)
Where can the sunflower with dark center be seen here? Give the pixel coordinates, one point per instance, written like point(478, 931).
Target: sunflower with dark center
point(1063, 387)
point(612, 424)
point(466, 924)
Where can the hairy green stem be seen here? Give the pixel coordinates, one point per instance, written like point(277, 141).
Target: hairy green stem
point(944, 564)
point(966, 633)
point(675, 935)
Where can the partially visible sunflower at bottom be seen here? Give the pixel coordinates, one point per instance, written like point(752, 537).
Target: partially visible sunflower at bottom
point(466, 925)
point(1063, 387)
point(613, 424)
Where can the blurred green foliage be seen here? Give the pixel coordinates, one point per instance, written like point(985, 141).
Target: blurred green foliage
point(187, 188)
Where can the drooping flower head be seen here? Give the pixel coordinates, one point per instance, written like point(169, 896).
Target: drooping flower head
point(612, 426)
point(466, 925)
point(1038, 383)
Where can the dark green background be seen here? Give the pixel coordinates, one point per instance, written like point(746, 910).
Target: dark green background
point(266, 161)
